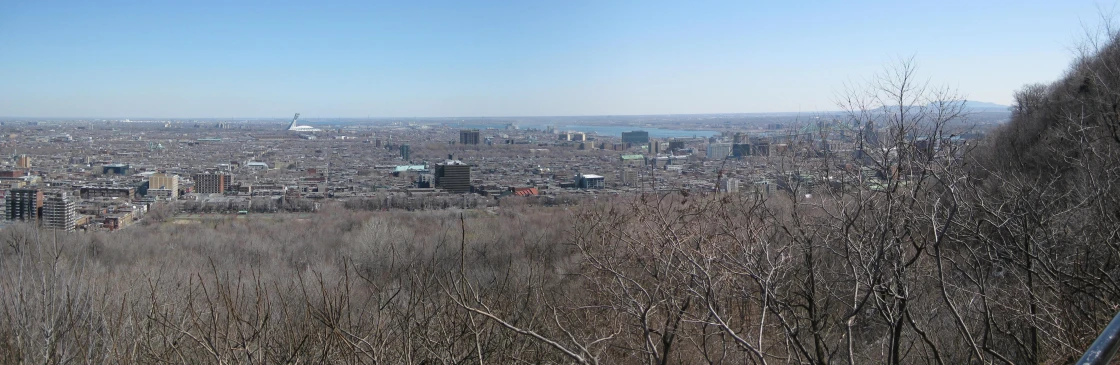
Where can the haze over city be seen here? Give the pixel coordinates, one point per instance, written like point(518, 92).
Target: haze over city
point(432, 59)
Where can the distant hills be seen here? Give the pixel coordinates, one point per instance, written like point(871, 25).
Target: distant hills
point(980, 106)
point(969, 106)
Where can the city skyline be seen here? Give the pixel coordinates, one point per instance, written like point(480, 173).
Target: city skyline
point(354, 60)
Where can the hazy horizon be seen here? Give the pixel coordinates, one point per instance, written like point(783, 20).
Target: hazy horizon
point(314, 119)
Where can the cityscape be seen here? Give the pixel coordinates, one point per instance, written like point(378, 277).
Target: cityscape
point(578, 182)
point(105, 174)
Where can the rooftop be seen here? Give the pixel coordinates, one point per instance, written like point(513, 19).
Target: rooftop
point(406, 168)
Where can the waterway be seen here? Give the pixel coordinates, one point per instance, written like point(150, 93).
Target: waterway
point(653, 132)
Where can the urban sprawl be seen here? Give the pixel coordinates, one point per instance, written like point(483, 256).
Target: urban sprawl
point(107, 174)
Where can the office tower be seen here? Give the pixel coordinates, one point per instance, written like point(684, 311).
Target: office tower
point(453, 176)
point(468, 136)
point(739, 138)
point(740, 150)
point(635, 137)
point(404, 152)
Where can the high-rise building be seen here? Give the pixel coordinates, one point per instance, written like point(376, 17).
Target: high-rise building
point(636, 137)
point(870, 135)
point(59, 211)
point(761, 148)
point(211, 182)
point(405, 152)
point(740, 150)
point(654, 147)
point(23, 162)
point(23, 204)
point(162, 181)
point(468, 136)
point(729, 185)
point(718, 151)
point(453, 176)
point(676, 146)
point(629, 177)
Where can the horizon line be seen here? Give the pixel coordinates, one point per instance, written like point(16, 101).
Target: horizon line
point(243, 118)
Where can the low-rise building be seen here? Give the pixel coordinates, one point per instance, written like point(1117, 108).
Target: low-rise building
point(123, 192)
point(590, 181)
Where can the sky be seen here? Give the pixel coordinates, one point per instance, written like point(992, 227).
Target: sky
point(246, 59)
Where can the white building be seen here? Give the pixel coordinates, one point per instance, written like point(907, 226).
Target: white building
point(718, 151)
point(59, 211)
point(729, 185)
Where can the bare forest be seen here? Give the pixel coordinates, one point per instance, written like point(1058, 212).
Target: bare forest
point(1005, 250)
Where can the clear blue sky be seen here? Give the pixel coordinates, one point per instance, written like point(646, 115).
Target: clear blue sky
point(466, 58)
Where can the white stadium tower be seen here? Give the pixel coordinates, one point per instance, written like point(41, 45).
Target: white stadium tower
point(301, 128)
